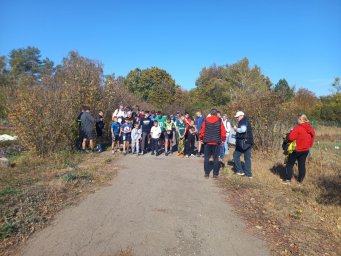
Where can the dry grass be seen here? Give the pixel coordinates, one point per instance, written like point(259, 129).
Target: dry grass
point(35, 189)
point(294, 219)
point(125, 252)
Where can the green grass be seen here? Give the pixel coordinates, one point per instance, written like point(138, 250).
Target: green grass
point(8, 191)
point(6, 230)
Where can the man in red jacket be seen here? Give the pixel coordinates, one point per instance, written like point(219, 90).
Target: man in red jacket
point(304, 135)
point(212, 134)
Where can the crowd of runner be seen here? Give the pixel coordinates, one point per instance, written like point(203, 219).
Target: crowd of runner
point(140, 132)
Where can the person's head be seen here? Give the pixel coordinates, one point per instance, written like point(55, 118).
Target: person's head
point(146, 114)
point(86, 108)
point(136, 125)
point(114, 119)
point(178, 113)
point(186, 115)
point(168, 119)
point(159, 114)
point(302, 119)
point(214, 112)
point(225, 117)
point(83, 108)
point(191, 122)
point(121, 107)
point(126, 121)
point(156, 123)
point(129, 113)
point(198, 114)
point(218, 114)
point(142, 112)
point(182, 118)
point(239, 115)
point(100, 113)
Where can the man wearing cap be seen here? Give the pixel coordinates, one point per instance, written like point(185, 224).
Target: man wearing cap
point(244, 141)
point(212, 134)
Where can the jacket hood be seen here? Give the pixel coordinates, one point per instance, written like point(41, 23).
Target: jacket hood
point(308, 129)
point(212, 119)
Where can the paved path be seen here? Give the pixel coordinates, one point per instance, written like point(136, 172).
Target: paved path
point(156, 205)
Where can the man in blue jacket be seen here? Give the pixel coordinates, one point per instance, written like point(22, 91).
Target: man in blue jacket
point(198, 122)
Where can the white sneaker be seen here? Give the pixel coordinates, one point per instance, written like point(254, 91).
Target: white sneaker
point(113, 151)
point(240, 173)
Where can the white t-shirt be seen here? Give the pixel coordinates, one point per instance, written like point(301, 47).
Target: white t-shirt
point(155, 132)
point(227, 125)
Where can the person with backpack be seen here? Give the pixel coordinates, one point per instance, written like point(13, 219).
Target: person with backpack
point(212, 134)
point(304, 135)
point(244, 142)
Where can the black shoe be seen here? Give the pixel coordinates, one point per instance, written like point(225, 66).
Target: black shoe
point(153, 153)
point(157, 153)
point(207, 176)
point(166, 153)
point(215, 176)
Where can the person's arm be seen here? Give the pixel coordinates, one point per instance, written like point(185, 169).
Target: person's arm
point(242, 129)
point(222, 132)
point(293, 134)
point(202, 131)
point(195, 129)
point(228, 127)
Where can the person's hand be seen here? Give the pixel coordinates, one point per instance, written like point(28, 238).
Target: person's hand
point(235, 127)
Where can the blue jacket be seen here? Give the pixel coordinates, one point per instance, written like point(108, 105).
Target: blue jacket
point(199, 122)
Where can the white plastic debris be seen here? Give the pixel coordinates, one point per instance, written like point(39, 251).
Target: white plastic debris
point(5, 137)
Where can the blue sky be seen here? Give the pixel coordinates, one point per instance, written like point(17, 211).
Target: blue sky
point(296, 40)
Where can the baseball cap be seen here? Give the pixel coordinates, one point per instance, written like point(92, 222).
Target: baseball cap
point(239, 113)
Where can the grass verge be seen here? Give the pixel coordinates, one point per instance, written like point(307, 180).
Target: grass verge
point(34, 189)
point(294, 219)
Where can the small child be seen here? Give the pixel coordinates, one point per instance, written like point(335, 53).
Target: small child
point(126, 135)
point(181, 131)
point(169, 127)
point(155, 133)
point(135, 139)
point(115, 135)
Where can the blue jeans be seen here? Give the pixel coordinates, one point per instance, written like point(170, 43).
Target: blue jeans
point(247, 159)
point(226, 144)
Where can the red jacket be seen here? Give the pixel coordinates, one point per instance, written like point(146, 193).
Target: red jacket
point(213, 119)
point(304, 135)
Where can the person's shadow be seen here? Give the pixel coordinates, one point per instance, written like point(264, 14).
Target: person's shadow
point(279, 169)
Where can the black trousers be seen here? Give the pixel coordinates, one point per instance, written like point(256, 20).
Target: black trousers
point(301, 158)
point(190, 143)
point(211, 150)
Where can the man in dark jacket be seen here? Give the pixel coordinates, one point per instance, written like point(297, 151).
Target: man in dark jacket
point(87, 128)
point(212, 134)
point(244, 141)
point(146, 125)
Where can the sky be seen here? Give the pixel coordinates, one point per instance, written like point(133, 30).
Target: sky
point(297, 40)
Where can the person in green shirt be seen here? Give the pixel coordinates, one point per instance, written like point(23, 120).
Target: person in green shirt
point(161, 121)
point(169, 128)
point(181, 131)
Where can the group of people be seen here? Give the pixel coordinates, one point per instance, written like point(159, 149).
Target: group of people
point(140, 132)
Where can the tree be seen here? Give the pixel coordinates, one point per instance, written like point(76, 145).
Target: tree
point(153, 85)
point(336, 84)
point(219, 85)
point(27, 67)
point(283, 89)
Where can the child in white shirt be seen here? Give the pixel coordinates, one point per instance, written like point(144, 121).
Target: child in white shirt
point(155, 133)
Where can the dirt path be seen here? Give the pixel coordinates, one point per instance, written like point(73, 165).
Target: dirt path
point(156, 205)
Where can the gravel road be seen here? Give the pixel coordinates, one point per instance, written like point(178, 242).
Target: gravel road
point(155, 205)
